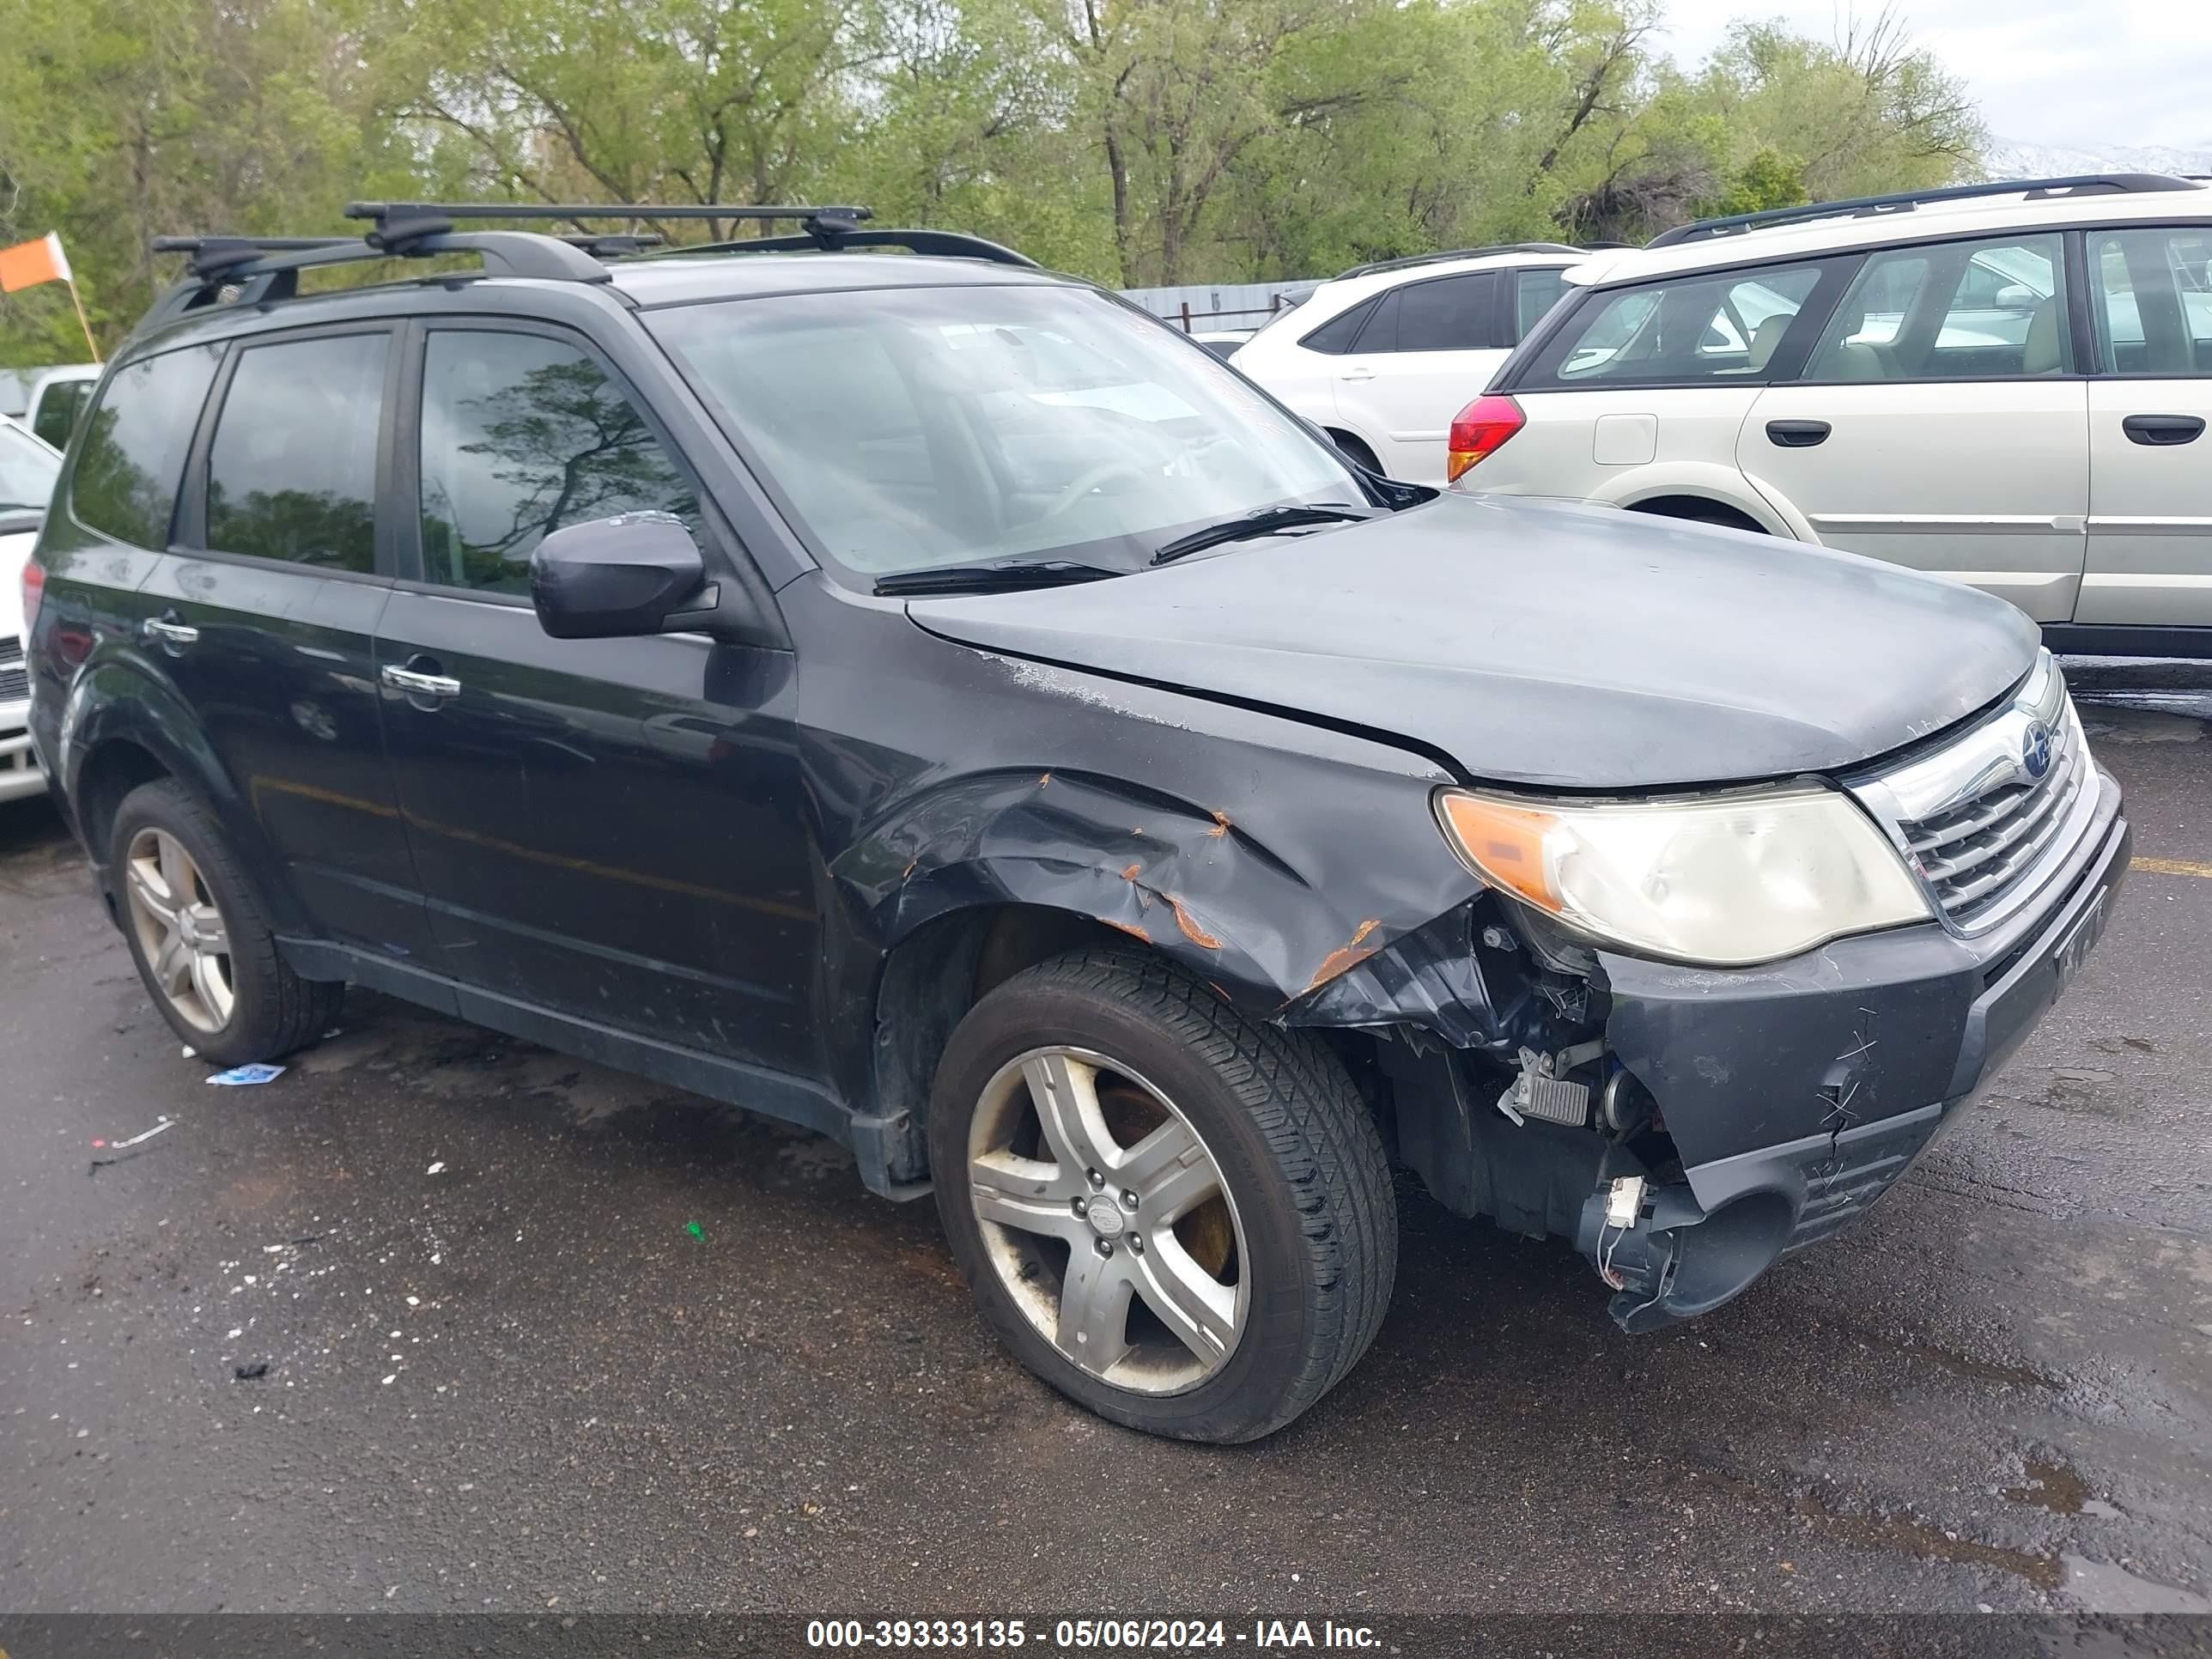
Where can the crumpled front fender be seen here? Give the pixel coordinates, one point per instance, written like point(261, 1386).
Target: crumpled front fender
point(1176, 875)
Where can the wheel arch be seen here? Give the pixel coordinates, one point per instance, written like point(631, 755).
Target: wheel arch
point(996, 873)
point(1697, 509)
point(1640, 489)
point(1340, 434)
point(124, 728)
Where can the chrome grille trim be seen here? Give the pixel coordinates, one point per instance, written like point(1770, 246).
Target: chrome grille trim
point(1982, 834)
point(15, 679)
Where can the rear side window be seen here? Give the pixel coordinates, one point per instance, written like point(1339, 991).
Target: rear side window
point(2154, 300)
point(127, 474)
point(1693, 332)
point(1951, 311)
point(292, 473)
point(1451, 313)
point(522, 434)
point(1535, 291)
point(57, 410)
point(1335, 336)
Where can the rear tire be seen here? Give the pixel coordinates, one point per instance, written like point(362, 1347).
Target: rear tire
point(202, 943)
point(1233, 1192)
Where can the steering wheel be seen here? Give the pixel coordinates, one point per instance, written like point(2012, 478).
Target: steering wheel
point(1089, 481)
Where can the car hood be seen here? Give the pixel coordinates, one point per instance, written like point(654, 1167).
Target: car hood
point(1542, 643)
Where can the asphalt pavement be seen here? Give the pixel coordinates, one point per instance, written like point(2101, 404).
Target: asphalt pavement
point(538, 1336)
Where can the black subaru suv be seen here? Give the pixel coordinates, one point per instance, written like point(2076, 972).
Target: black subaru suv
point(857, 676)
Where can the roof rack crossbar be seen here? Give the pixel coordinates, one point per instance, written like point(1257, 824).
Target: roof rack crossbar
point(395, 220)
point(829, 239)
point(2035, 189)
point(1411, 260)
point(211, 254)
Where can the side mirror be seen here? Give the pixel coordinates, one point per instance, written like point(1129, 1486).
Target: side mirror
point(618, 578)
point(2018, 296)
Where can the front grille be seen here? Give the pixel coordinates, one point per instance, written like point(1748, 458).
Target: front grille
point(1977, 819)
point(15, 681)
point(1973, 853)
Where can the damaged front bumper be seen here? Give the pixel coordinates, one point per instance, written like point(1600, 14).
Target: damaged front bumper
point(1688, 1127)
point(1794, 1094)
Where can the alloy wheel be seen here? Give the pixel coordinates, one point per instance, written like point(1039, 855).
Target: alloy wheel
point(180, 930)
point(1106, 1220)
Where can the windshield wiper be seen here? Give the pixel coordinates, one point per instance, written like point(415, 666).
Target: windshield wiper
point(1006, 574)
point(1265, 522)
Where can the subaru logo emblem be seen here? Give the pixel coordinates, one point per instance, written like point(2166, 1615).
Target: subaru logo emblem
point(2035, 750)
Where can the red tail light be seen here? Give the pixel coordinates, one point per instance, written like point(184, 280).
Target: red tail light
point(34, 589)
point(1481, 427)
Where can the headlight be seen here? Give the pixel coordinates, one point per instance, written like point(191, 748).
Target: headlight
point(1724, 882)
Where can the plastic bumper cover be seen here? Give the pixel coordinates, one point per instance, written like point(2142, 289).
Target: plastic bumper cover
point(1797, 1092)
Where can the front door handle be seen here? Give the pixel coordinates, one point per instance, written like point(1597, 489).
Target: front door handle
point(2163, 431)
point(417, 684)
point(1797, 434)
point(173, 635)
point(1357, 375)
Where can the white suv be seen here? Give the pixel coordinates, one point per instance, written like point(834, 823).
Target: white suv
point(2006, 383)
point(1382, 357)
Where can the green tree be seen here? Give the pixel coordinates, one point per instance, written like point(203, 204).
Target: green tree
point(138, 117)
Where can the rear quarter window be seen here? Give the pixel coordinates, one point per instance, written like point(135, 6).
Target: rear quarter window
point(1693, 330)
point(132, 458)
point(57, 410)
point(1335, 336)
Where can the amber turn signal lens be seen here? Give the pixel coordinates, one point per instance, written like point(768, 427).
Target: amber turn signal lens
point(1506, 845)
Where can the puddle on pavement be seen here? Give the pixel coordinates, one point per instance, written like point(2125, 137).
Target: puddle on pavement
point(2053, 1486)
point(2104, 1588)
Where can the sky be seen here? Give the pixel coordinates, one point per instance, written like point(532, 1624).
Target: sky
point(2085, 74)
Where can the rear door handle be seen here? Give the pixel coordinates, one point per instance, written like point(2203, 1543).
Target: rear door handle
point(1797, 434)
point(174, 634)
point(417, 684)
point(2163, 431)
point(1357, 375)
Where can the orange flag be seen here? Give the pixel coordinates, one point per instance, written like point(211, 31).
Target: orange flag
point(27, 263)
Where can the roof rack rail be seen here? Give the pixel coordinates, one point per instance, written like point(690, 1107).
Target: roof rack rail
point(260, 270)
point(1411, 260)
point(2035, 189)
point(255, 270)
point(211, 256)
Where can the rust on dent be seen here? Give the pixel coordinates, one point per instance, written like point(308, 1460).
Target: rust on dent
point(1043, 778)
point(1133, 872)
point(1191, 931)
point(1222, 826)
point(1128, 927)
point(1346, 955)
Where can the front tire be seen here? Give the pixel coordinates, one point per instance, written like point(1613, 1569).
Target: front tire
point(1180, 1218)
point(203, 946)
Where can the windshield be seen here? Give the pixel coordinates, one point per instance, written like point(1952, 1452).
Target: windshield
point(28, 470)
point(915, 427)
